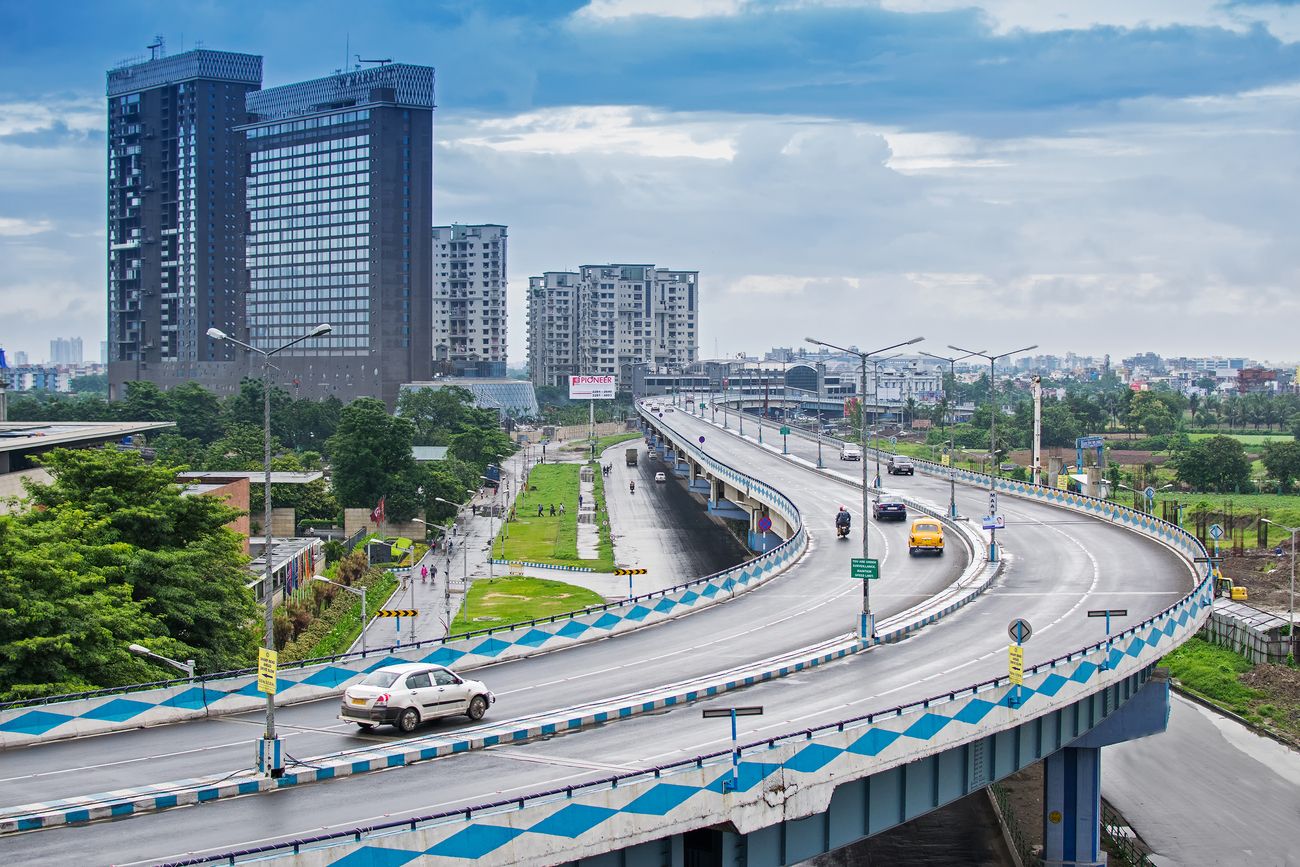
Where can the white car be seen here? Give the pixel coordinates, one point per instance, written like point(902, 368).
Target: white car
point(405, 695)
point(660, 477)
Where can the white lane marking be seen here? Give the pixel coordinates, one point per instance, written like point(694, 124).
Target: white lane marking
point(562, 761)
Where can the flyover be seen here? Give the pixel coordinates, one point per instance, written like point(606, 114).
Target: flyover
point(1059, 562)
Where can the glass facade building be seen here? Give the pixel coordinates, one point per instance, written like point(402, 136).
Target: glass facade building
point(339, 201)
point(174, 209)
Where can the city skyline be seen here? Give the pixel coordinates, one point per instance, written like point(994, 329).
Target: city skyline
point(1071, 174)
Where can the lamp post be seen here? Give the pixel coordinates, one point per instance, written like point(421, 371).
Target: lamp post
point(875, 412)
point(187, 666)
point(492, 536)
point(821, 376)
point(355, 592)
point(943, 420)
point(867, 627)
point(1290, 618)
point(270, 744)
point(993, 427)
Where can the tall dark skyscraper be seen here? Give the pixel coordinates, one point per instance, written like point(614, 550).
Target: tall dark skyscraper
point(340, 204)
point(175, 214)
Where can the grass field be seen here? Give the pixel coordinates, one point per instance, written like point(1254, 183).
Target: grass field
point(515, 599)
point(1253, 440)
point(551, 538)
point(1216, 673)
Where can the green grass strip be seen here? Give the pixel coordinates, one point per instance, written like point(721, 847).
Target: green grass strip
point(516, 599)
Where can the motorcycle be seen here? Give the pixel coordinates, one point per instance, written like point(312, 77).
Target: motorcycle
point(631, 487)
point(842, 531)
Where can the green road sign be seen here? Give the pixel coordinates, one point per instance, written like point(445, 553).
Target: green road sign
point(785, 431)
point(866, 570)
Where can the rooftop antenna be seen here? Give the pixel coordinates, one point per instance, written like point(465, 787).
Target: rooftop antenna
point(380, 62)
point(157, 48)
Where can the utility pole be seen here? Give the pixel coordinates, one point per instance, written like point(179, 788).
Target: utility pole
point(1038, 429)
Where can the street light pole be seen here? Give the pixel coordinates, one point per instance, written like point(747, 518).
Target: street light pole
point(993, 428)
point(270, 744)
point(943, 420)
point(187, 666)
point(867, 627)
point(875, 411)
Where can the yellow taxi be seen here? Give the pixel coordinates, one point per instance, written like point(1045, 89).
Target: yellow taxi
point(926, 535)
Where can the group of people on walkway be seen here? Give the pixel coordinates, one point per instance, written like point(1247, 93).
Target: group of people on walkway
point(541, 510)
point(426, 575)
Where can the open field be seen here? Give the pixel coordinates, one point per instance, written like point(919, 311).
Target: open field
point(515, 598)
point(1249, 440)
point(550, 538)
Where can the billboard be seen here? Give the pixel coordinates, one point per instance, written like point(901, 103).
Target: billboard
point(591, 387)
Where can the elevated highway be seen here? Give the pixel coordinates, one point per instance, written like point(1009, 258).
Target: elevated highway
point(1058, 564)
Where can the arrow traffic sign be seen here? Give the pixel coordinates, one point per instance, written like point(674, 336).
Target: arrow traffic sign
point(1019, 630)
point(1149, 492)
point(630, 571)
point(397, 612)
point(1216, 532)
point(1016, 663)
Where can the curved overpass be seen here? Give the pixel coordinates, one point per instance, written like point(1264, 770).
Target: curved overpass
point(1058, 563)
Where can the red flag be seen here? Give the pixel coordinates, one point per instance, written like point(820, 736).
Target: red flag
point(377, 513)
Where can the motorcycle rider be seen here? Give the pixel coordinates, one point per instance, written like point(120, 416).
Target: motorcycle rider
point(843, 520)
point(631, 487)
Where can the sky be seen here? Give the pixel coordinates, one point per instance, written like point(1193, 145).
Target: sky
point(1115, 176)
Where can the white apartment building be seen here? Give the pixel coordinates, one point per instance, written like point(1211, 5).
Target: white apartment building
point(607, 319)
point(469, 299)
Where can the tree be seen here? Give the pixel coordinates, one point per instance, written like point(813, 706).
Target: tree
point(371, 453)
point(246, 407)
point(144, 402)
point(178, 558)
point(1282, 460)
point(1218, 463)
point(94, 383)
point(196, 411)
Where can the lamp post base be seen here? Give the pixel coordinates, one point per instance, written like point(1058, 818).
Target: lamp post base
point(270, 757)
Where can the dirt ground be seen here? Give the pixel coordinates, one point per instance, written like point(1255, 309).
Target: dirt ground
point(1282, 685)
point(1266, 577)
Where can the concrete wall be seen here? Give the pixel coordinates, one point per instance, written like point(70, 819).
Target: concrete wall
point(11, 485)
point(284, 522)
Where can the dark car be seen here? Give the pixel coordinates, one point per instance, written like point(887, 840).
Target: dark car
point(900, 465)
point(889, 507)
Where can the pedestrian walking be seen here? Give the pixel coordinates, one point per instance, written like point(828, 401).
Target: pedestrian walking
point(561, 508)
point(540, 510)
point(579, 502)
point(424, 574)
point(552, 510)
point(434, 573)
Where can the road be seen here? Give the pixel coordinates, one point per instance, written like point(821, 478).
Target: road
point(1058, 565)
point(1208, 791)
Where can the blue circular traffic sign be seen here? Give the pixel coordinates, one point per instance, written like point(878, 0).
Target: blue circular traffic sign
point(701, 440)
point(764, 524)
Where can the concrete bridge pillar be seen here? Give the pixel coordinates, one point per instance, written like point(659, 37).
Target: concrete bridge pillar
point(1072, 808)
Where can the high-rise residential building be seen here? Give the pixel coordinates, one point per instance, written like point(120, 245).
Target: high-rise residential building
point(20, 358)
point(65, 350)
point(469, 299)
point(175, 213)
point(339, 207)
point(103, 352)
point(608, 319)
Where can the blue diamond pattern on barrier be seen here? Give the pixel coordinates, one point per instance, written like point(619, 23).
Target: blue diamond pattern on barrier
point(974, 711)
point(661, 800)
point(1084, 672)
point(534, 638)
point(689, 597)
point(749, 775)
point(191, 699)
point(491, 647)
point(475, 841)
point(929, 725)
point(572, 629)
point(444, 656)
point(330, 675)
point(638, 613)
point(607, 621)
point(573, 821)
point(36, 722)
point(710, 591)
point(663, 606)
point(373, 856)
point(1052, 684)
point(873, 742)
point(813, 758)
point(117, 710)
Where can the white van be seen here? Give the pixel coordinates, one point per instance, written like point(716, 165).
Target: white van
point(850, 453)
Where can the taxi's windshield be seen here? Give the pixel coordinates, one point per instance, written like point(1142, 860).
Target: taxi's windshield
point(927, 528)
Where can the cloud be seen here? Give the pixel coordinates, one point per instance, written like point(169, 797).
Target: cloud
point(12, 226)
point(609, 9)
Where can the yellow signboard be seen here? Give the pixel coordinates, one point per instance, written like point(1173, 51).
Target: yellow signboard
point(267, 663)
point(1063, 480)
point(1016, 663)
point(946, 459)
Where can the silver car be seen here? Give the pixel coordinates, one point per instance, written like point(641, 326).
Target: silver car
point(410, 693)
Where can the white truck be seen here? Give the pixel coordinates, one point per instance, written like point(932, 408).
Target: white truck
point(850, 453)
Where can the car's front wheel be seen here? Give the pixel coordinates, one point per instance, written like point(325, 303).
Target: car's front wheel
point(407, 720)
point(477, 707)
